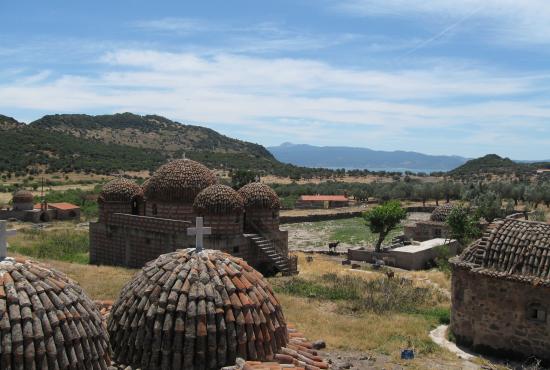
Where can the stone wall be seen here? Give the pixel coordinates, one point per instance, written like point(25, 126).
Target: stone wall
point(175, 211)
point(132, 241)
point(426, 230)
point(495, 316)
point(265, 219)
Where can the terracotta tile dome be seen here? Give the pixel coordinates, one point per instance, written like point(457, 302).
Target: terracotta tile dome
point(120, 190)
point(257, 195)
point(23, 196)
point(219, 200)
point(179, 181)
point(441, 213)
point(187, 309)
point(47, 321)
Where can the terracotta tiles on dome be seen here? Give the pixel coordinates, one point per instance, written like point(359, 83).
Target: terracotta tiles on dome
point(218, 199)
point(259, 195)
point(120, 190)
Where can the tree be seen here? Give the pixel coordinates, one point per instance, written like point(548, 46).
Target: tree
point(464, 227)
point(242, 177)
point(489, 205)
point(383, 219)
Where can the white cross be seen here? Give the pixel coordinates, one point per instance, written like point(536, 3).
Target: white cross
point(4, 233)
point(199, 231)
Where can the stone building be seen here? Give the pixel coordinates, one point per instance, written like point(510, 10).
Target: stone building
point(196, 310)
point(435, 227)
point(24, 209)
point(322, 201)
point(47, 321)
point(501, 291)
point(137, 224)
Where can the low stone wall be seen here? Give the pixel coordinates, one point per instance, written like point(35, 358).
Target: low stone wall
point(323, 217)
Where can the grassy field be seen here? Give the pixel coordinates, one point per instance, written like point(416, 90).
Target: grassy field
point(350, 232)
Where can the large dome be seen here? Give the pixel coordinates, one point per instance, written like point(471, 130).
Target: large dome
point(257, 195)
point(441, 213)
point(179, 181)
point(120, 190)
point(23, 196)
point(219, 200)
point(190, 308)
point(47, 321)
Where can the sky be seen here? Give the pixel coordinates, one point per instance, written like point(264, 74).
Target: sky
point(458, 77)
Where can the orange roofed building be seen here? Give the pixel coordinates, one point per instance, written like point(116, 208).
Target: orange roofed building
point(322, 201)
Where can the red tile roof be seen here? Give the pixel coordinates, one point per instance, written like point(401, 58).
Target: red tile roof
point(63, 206)
point(324, 198)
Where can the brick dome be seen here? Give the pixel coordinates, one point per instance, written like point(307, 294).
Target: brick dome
point(47, 321)
point(219, 200)
point(188, 309)
point(441, 213)
point(120, 190)
point(257, 195)
point(179, 181)
point(23, 196)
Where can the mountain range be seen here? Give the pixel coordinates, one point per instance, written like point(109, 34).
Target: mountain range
point(363, 158)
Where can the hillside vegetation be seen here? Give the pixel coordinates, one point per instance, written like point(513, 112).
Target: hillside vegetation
point(128, 142)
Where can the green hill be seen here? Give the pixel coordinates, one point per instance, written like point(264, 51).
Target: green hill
point(491, 164)
point(109, 143)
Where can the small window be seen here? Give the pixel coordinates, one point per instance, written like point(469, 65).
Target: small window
point(536, 313)
point(235, 249)
point(147, 241)
point(274, 215)
point(154, 209)
point(237, 219)
point(437, 233)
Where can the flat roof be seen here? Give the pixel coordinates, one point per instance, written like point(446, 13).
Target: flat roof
point(325, 198)
point(428, 244)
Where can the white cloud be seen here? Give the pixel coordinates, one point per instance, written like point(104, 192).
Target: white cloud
point(302, 99)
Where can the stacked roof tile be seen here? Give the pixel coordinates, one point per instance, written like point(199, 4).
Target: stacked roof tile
point(120, 190)
point(511, 249)
point(219, 200)
point(441, 213)
point(179, 181)
point(23, 196)
point(47, 321)
point(201, 309)
point(257, 195)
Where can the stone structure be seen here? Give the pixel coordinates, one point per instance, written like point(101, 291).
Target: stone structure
point(501, 291)
point(200, 310)
point(47, 321)
point(137, 224)
point(435, 227)
point(416, 256)
point(24, 209)
point(322, 201)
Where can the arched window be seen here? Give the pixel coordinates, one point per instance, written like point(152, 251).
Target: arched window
point(154, 209)
point(135, 207)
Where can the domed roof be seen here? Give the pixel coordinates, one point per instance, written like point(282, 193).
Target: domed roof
point(441, 213)
point(120, 190)
point(23, 196)
point(47, 321)
point(179, 180)
point(259, 195)
point(187, 308)
point(218, 199)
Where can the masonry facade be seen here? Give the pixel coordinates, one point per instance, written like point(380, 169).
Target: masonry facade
point(137, 224)
point(501, 291)
point(435, 227)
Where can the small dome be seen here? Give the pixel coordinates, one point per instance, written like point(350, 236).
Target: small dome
point(441, 213)
point(188, 309)
point(47, 321)
point(120, 190)
point(258, 195)
point(179, 181)
point(218, 199)
point(23, 196)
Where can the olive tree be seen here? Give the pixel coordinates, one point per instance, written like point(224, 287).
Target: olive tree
point(383, 219)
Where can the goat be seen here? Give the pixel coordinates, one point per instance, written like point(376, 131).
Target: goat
point(332, 246)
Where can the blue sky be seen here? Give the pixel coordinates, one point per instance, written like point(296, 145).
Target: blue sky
point(440, 77)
